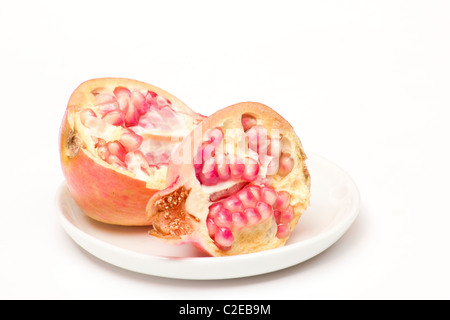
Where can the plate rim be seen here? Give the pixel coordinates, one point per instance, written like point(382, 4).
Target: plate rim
point(108, 252)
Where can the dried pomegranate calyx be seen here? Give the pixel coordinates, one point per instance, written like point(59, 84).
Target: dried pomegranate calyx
point(248, 183)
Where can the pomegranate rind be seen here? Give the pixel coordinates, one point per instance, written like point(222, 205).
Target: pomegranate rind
point(181, 176)
point(102, 191)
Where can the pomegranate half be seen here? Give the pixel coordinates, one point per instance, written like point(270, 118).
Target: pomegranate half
point(237, 184)
point(116, 139)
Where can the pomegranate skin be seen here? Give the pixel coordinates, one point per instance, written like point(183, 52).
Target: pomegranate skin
point(103, 192)
point(184, 211)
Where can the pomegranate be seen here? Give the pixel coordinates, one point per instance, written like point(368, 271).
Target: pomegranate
point(237, 184)
point(115, 144)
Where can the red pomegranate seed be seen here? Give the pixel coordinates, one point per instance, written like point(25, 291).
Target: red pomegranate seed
point(214, 136)
point(223, 168)
point(274, 148)
point(265, 210)
point(131, 141)
point(114, 117)
point(104, 98)
point(251, 169)
point(214, 208)
point(269, 195)
point(283, 230)
point(136, 161)
point(114, 160)
point(286, 164)
point(256, 191)
point(102, 151)
point(212, 227)
point(123, 101)
point(283, 199)
point(223, 218)
point(276, 215)
point(287, 215)
point(224, 238)
point(239, 221)
point(237, 168)
point(131, 116)
point(86, 115)
point(208, 176)
point(119, 91)
point(253, 216)
point(248, 121)
point(247, 198)
point(117, 149)
point(233, 204)
point(208, 150)
point(140, 103)
point(257, 139)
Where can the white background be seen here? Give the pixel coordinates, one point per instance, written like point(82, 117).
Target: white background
point(366, 84)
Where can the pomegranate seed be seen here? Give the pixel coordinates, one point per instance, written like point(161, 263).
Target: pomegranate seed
point(123, 101)
point(251, 169)
point(114, 160)
point(131, 116)
point(274, 148)
point(256, 191)
point(106, 108)
point(150, 94)
point(119, 91)
point(272, 167)
point(162, 102)
point(283, 230)
point(214, 208)
point(103, 152)
point(223, 218)
point(237, 168)
point(287, 215)
point(212, 227)
point(277, 215)
point(86, 115)
point(214, 136)
point(208, 176)
point(265, 210)
point(283, 199)
point(253, 216)
point(117, 149)
point(138, 100)
point(114, 117)
point(131, 141)
point(136, 161)
point(248, 121)
point(104, 99)
point(224, 238)
point(247, 198)
point(286, 164)
point(239, 221)
point(233, 204)
point(257, 139)
point(208, 150)
point(269, 195)
point(223, 168)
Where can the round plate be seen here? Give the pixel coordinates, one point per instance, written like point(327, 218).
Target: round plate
point(334, 206)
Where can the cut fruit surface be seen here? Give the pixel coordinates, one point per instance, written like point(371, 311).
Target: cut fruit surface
point(245, 181)
point(116, 140)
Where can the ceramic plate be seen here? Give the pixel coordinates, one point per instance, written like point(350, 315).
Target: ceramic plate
point(334, 206)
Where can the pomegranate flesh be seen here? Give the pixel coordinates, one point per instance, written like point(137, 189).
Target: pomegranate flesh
point(237, 184)
point(116, 140)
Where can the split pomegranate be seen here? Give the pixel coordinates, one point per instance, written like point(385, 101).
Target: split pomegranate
point(237, 184)
point(116, 140)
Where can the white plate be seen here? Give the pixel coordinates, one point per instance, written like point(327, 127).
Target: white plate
point(334, 206)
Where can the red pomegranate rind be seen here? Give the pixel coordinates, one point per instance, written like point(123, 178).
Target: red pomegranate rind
point(98, 172)
point(252, 208)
